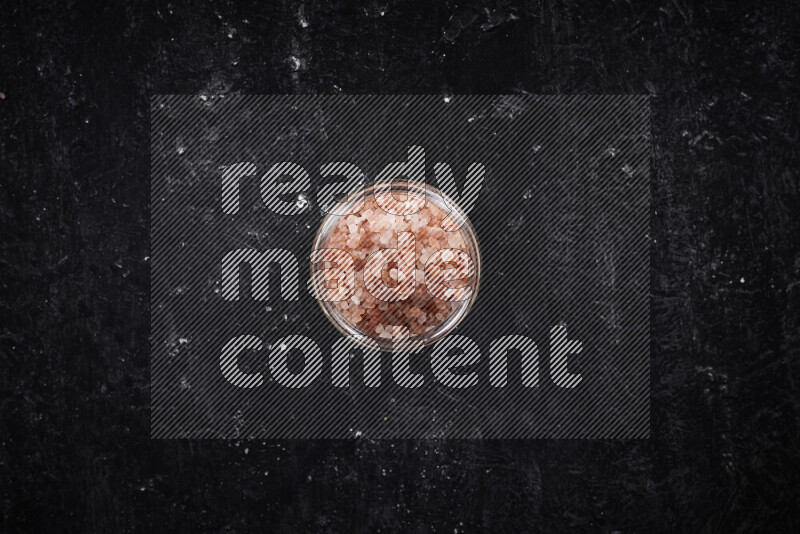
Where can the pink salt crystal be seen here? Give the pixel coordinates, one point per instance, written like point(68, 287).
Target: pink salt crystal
point(454, 240)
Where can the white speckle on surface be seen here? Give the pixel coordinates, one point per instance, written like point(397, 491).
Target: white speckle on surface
point(741, 280)
point(301, 18)
point(302, 201)
point(181, 150)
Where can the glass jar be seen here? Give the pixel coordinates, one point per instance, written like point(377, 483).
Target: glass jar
point(356, 317)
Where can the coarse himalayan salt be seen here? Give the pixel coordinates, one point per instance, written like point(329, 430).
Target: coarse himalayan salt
point(370, 229)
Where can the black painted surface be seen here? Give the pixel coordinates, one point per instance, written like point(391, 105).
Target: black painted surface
point(74, 154)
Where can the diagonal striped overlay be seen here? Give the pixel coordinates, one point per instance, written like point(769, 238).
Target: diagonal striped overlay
point(555, 346)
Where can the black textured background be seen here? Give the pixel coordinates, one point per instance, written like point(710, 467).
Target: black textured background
point(76, 80)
